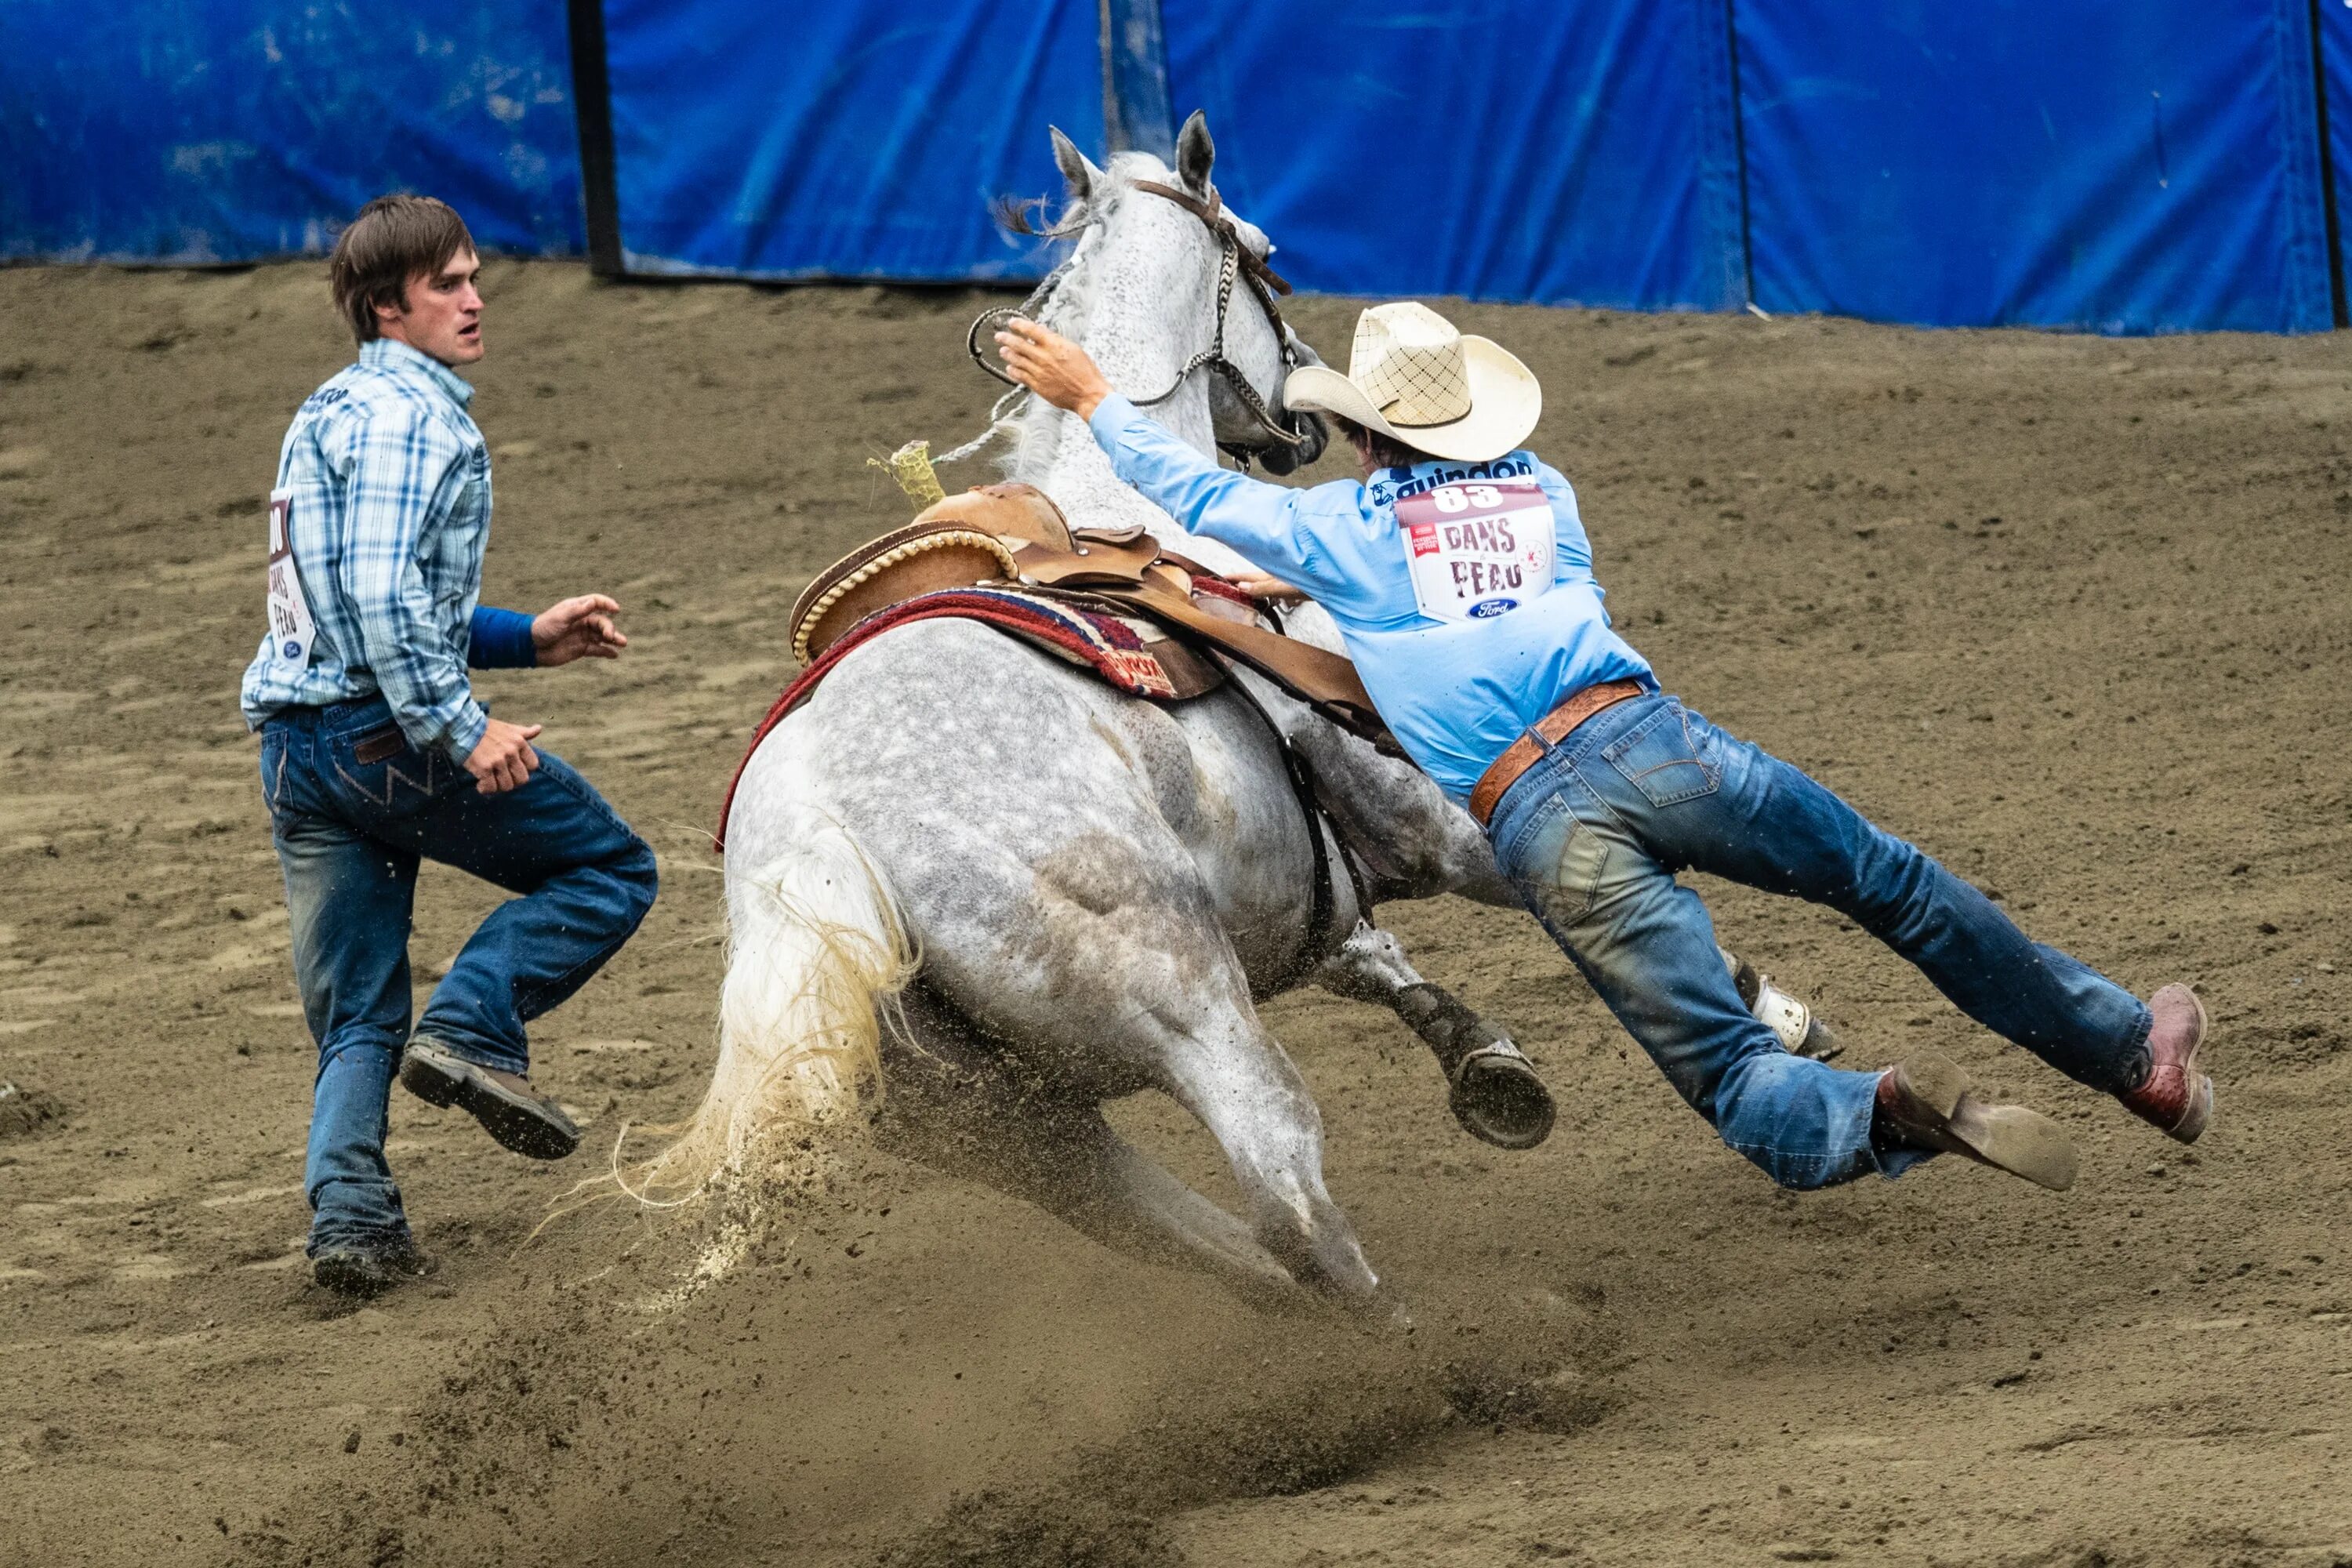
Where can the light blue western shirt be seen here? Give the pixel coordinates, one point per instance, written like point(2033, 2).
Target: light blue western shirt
point(1456, 693)
point(390, 514)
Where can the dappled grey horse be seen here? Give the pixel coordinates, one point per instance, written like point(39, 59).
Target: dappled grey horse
point(1013, 893)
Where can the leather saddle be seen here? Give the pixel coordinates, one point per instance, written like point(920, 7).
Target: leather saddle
point(1014, 535)
point(953, 543)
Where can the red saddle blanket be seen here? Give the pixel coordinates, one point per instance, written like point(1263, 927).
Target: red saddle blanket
point(1133, 655)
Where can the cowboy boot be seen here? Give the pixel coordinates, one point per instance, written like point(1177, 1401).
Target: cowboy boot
point(361, 1271)
point(2174, 1095)
point(1929, 1103)
point(517, 1115)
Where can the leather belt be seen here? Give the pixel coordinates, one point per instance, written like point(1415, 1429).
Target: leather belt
point(1555, 726)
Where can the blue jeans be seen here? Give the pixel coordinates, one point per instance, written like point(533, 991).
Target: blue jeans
point(349, 835)
point(1592, 835)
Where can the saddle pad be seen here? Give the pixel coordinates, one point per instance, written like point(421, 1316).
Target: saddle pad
point(1130, 653)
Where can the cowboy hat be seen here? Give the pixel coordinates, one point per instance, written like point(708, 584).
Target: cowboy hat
point(1415, 378)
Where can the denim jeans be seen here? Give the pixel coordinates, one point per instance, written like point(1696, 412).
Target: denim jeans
point(1592, 835)
point(349, 835)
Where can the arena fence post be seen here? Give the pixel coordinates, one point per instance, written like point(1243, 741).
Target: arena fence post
point(1723, 154)
point(2326, 164)
point(592, 103)
point(1137, 115)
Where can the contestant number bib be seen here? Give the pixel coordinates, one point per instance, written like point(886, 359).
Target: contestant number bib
point(291, 630)
point(1477, 550)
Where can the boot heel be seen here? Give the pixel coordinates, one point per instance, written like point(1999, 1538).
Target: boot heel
point(1934, 1083)
point(427, 1082)
point(2191, 1126)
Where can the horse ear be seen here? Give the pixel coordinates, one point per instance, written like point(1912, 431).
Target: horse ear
point(1195, 153)
point(1077, 172)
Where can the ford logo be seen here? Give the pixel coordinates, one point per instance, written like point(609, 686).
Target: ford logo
point(294, 649)
point(1485, 609)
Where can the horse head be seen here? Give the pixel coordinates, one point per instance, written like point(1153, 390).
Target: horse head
point(1189, 276)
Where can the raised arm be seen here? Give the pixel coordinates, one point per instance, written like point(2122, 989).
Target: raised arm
point(1270, 525)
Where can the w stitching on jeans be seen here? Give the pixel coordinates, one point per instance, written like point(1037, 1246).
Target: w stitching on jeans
point(392, 779)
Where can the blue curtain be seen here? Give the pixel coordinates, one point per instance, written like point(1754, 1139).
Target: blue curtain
point(238, 129)
point(852, 138)
point(2071, 164)
point(1569, 151)
point(2050, 162)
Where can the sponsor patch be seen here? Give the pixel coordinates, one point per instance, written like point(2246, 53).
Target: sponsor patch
point(1478, 550)
point(291, 630)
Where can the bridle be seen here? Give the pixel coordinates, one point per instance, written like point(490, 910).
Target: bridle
point(1237, 264)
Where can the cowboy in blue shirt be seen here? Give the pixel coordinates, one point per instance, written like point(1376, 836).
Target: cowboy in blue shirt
point(376, 754)
point(1459, 575)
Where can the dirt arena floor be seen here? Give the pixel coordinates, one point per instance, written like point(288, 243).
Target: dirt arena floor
point(2070, 612)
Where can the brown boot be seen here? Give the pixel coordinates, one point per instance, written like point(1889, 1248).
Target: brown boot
point(2175, 1097)
point(1927, 1103)
point(505, 1103)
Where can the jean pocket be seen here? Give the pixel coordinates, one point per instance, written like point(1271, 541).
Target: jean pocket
point(1659, 758)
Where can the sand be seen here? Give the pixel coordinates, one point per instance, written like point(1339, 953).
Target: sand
point(2068, 612)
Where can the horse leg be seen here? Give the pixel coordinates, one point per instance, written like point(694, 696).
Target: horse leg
point(1177, 1011)
point(1221, 1064)
point(1492, 1088)
point(956, 1107)
point(1137, 991)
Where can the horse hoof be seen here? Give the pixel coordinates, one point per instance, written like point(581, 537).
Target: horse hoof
point(1820, 1042)
point(1498, 1099)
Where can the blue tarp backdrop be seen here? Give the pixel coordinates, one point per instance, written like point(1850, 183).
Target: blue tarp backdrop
point(1502, 149)
point(852, 138)
point(2058, 162)
point(232, 130)
point(2162, 167)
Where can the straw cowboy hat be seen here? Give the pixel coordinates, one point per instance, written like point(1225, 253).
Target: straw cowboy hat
point(1412, 377)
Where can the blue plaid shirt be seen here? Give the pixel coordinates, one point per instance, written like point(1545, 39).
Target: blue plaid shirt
point(391, 513)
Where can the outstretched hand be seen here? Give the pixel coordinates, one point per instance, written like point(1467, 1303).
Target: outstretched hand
point(1052, 366)
point(578, 627)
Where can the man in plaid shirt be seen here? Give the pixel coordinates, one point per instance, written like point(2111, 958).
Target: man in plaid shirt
point(376, 754)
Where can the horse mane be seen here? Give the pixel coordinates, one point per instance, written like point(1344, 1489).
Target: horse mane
point(1027, 217)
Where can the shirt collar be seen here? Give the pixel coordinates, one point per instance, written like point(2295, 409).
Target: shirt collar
point(390, 353)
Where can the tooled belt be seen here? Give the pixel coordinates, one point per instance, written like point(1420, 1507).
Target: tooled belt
point(1554, 726)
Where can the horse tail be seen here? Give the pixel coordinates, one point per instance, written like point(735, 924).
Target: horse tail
point(816, 949)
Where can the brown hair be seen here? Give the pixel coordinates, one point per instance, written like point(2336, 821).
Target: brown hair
point(394, 238)
point(1381, 451)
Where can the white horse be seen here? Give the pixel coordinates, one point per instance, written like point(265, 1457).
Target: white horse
point(1014, 894)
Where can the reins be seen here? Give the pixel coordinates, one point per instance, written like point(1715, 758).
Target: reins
point(1236, 263)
